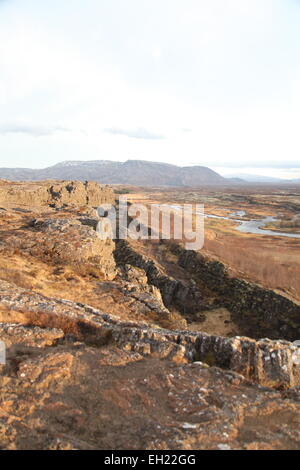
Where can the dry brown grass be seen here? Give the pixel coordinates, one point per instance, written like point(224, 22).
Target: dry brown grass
point(16, 277)
point(271, 261)
point(276, 267)
point(82, 330)
point(171, 321)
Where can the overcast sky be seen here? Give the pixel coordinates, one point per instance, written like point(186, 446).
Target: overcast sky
point(211, 82)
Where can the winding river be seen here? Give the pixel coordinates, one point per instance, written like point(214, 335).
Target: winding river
point(255, 225)
point(251, 226)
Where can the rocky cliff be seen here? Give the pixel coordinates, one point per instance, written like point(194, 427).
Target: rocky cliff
point(258, 310)
point(100, 347)
point(73, 371)
point(44, 193)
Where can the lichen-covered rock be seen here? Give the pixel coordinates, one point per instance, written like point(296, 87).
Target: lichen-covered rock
point(269, 363)
point(62, 396)
point(58, 193)
point(183, 296)
point(136, 285)
point(64, 241)
point(118, 351)
point(258, 311)
point(68, 241)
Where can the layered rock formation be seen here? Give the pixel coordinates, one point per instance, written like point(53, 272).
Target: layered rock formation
point(101, 354)
point(258, 310)
point(83, 379)
point(55, 192)
point(270, 363)
point(69, 395)
point(184, 297)
point(59, 234)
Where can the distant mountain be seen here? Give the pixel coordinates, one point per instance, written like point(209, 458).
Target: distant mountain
point(262, 179)
point(135, 172)
point(237, 180)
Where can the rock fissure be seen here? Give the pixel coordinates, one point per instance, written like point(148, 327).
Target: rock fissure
point(98, 343)
point(269, 363)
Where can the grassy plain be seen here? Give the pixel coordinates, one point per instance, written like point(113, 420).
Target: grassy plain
point(270, 260)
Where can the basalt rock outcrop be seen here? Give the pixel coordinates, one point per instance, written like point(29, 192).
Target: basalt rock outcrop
point(78, 378)
point(99, 349)
point(186, 298)
point(270, 363)
point(61, 241)
point(70, 395)
point(50, 224)
point(57, 193)
point(69, 241)
point(136, 284)
point(259, 311)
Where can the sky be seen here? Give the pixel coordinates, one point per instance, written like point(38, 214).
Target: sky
point(189, 82)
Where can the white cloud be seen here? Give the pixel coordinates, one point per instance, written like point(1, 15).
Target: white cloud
point(221, 68)
point(156, 52)
point(139, 133)
point(32, 130)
